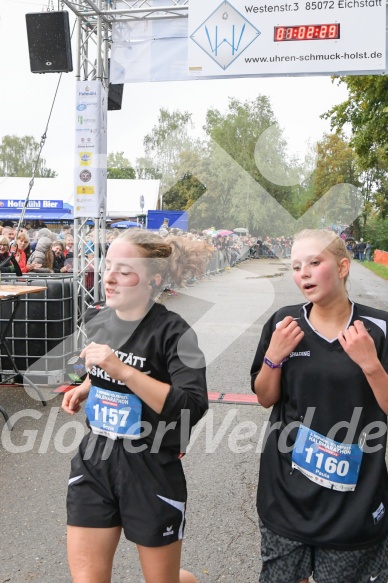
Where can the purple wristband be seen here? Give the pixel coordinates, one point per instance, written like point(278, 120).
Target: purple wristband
point(271, 364)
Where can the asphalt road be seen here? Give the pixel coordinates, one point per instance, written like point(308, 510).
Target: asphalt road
point(222, 541)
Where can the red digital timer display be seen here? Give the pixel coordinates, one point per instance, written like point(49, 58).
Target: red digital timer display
point(307, 32)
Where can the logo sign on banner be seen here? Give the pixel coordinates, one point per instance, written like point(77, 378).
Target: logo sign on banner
point(269, 37)
point(32, 204)
point(90, 149)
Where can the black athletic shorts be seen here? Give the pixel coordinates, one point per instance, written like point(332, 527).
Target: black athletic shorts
point(289, 561)
point(144, 493)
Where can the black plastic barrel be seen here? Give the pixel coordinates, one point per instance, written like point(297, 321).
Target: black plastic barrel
point(40, 338)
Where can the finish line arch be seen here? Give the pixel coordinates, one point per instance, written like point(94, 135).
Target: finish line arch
point(215, 48)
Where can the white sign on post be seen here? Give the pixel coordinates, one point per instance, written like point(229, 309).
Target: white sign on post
point(90, 149)
point(270, 37)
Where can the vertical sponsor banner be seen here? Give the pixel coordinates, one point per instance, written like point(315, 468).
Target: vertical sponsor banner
point(102, 191)
point(90, 149)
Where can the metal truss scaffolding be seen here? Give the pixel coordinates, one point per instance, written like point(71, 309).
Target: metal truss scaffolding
point(94, 32)
point(95, 20)
point(119, 10)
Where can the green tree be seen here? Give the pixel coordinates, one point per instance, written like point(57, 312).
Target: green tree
point(337, 167)
point(336, 164)
point(119, 167)
point(145, 169)
point(250, 134)
point(171, 155)
point(376, 232)
point(218, 180)
point(238, 132)
point(185, 192)
point(366, 111)
point(377, 180)
point(167, 140)
point(18, 157)
point(183, 188)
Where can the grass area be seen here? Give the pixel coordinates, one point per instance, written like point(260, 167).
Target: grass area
point(377, 268)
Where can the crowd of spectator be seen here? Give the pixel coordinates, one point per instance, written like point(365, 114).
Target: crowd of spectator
point(35, 251)
point(47, 251)
point(268, 247)
point(360, 250)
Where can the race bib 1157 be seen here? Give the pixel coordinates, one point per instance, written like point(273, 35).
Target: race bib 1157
point(114, 414)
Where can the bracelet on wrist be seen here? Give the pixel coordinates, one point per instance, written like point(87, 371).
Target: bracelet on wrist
point(271, 364)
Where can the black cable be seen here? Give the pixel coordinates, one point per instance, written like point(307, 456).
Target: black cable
point(42, 142)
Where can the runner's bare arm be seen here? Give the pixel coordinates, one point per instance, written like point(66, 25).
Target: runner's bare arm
point(284, 339)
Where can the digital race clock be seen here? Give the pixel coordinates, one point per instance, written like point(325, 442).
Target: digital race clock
point(307, 32)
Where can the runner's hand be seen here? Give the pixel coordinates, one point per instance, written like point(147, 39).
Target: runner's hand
point(72, 400)
point(358, 344)
point(284, 339)
point(103, 356)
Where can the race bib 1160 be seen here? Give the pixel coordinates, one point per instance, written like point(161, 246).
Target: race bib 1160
point(326, 462)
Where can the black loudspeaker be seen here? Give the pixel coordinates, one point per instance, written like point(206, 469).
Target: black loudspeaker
point(49, 42)
point(115, 95)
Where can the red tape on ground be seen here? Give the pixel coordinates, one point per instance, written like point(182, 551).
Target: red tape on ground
point(237, 398)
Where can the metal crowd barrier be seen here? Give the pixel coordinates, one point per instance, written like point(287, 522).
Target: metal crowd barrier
point(220, 260)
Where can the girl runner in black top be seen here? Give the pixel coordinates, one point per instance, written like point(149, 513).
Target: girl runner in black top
point(145, 390)
point(323, 486)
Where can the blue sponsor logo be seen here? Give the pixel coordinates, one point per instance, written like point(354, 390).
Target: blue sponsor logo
point(81, 107)
point(225, 35)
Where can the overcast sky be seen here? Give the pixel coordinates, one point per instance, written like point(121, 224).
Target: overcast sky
point(26, 98)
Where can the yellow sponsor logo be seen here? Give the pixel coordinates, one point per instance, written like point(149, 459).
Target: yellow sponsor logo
point(85, 158)
point(85, 189)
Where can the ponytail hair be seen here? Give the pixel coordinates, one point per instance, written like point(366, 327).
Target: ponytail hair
point(173, 258)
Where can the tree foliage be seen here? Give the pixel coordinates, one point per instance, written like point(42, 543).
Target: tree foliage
point(241, 174)
point(238, 133)
point(167, 140)
point(145, 169)
point(376, 231)
point(18, 157)
point(185, 192)
point(250, 173)
point(119, 167)
point(366, 111)
point(217, 179)
point(336, 164)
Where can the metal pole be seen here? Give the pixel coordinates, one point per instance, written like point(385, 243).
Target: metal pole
point(95, 18)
